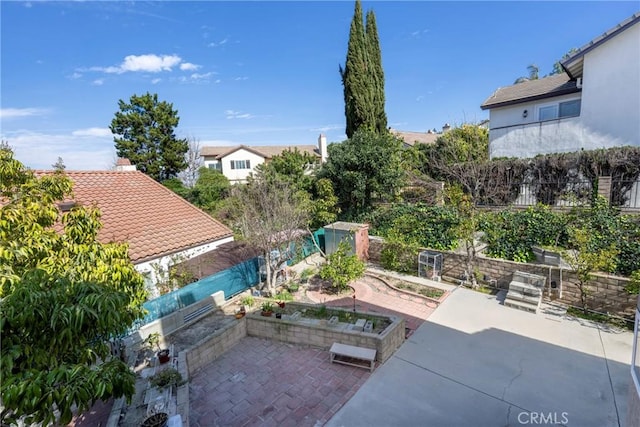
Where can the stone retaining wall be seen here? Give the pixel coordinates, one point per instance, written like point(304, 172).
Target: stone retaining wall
point(212, 347)
point(297, 332)
point(606, 293)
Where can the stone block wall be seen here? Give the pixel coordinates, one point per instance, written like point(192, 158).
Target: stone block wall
point(606, 293)
point(215, 345)
point(305, 333)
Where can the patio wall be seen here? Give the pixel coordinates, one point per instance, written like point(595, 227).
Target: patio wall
point(212, 347)
point(606, 292)
point(297, 332)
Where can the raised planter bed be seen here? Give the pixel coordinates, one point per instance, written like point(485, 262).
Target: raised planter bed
point(311, 327)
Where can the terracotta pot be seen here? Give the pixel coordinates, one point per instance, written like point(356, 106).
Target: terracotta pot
point(266, 313)
point(163, 356)
point(240, 315)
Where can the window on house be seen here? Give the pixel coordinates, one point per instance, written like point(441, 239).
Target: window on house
point(215, 166)
point(560, 110)
point(240, 164)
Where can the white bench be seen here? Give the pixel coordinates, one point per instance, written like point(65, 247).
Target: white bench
point(353, 356)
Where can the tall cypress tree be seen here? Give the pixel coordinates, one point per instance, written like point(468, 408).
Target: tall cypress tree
point(362, 76)
point(354, 74)
point(377, 73)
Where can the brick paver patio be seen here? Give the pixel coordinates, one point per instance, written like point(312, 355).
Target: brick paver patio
point(268, 383)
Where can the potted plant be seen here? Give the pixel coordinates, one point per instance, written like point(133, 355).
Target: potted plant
point(166, 378)
point(267, 309)
point(153, 342)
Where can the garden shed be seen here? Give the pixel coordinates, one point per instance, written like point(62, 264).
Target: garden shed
point(356, 234)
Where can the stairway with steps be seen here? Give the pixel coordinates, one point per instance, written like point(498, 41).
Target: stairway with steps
point(525, 291)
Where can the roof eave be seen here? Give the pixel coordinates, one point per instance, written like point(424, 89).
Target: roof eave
point(177, 251)
point(486, 106)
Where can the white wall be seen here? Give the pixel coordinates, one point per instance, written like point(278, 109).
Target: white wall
point(240, 175)
point(611, 87)
point(609, 115)
point(210, 161)
point(163, 263)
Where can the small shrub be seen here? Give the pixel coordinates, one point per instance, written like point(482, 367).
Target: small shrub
point(167, 378)
point(633, 287)
point(249, 301)
point(267, 306)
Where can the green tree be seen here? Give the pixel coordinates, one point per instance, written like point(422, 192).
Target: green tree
point(324, 204)
point(557, 67)
point(533, 74)
point(342, 266)
point(211, 187)
point(583, 260)
point(363, 77)
point(362, 169)
point(292, 166)
point(271, 218)
point(63, 295)
point(377, 73)
point(144, 130)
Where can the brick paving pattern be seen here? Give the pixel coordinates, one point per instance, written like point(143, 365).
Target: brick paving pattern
point(373, 296)
point(261, 382)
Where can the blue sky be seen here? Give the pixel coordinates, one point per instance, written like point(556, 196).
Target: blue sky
point(262, 73)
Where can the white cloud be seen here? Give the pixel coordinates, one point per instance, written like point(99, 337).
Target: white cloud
point(98, 82)
point(188, 66)
point(241, 78)
point(150, 63)
point(75, 76)
point(218, 81)
point(419, 98)
point(88, 149)
point(231, 114)
point(12, 113)
point(327, 128)
point(155, 81)
point(220, 43)
point(196, 76)
point(97, 132)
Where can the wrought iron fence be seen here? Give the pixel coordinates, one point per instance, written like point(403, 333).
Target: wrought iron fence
point(623, 194)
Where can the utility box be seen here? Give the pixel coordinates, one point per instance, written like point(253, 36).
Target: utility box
point(357, 235)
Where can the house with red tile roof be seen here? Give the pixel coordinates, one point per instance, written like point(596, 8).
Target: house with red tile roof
point(160, 227)
point(238, 162)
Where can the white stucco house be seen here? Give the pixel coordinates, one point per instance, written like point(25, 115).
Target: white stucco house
point(238, 162)
point(594, 104)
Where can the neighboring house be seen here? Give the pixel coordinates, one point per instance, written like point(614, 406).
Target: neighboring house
point(594, 104)
point(160, 227)
point(412, 138)
point(238, 162)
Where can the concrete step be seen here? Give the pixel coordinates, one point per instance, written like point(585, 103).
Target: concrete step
point(520, 305)
point(525, 289)
point(519, 296)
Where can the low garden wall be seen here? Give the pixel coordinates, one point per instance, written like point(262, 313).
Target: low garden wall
point(606, 293)
point(212, 347)
point(307, 333)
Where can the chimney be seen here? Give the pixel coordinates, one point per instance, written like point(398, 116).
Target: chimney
point(322, 147)
point(446, 128)
point(124, 165)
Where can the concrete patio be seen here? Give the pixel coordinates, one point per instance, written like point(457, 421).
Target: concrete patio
point(476, 362)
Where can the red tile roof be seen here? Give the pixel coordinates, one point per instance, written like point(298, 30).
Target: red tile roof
point(136, 209)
